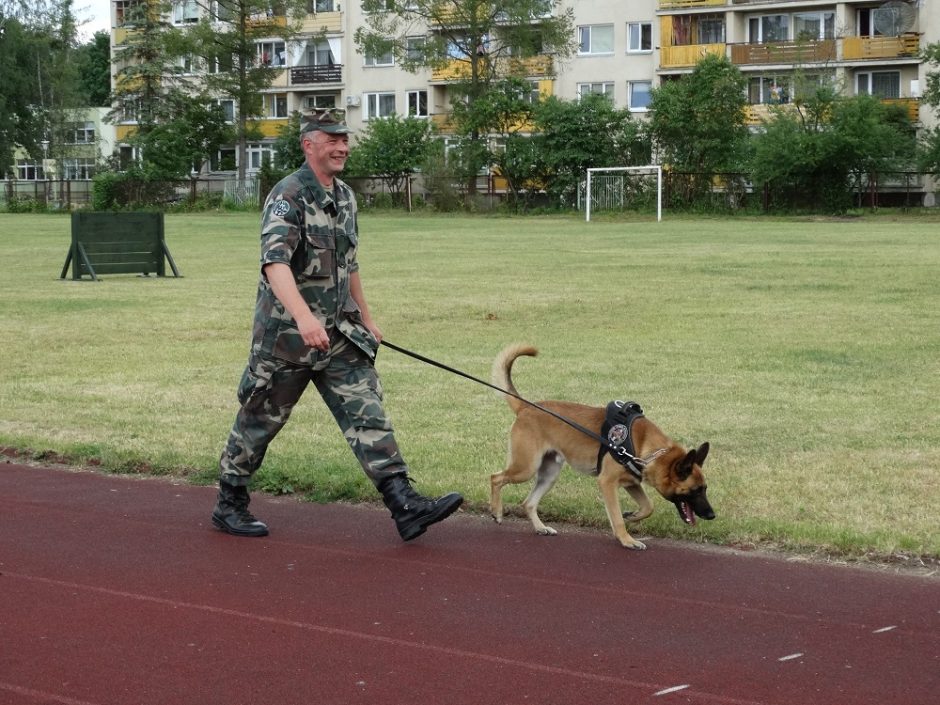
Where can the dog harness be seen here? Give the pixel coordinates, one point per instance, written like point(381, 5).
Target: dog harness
point(617, 432)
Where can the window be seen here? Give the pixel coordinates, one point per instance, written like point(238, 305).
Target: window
point(379, 105)
point(28, 170)
point(601, 88)
point(258, 154)
point(80, 133)
point(272, 54)
point(414, 48)
point(639, 36)
point(228, 109)
point(768, 90)
point(881, 84)
point(596, 39)
point(384, 59)
point(533, 95)
point(80, 168)
point(275, 105)
point(320, 101)
point(315, 6)
point(711, 29)
point(223, 160)
point(418, 104)
point(221, 11)
point(188, 63)
point(769, 28)
point(808, 26)
point(638, 95)
point(124, 12)
point(185, 12)
point(320, 54)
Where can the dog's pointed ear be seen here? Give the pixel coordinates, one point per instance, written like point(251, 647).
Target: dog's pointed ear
point(701, 454)
point(684, 467)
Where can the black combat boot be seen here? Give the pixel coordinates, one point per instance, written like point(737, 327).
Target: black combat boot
point(231, 512)
point(412, 513)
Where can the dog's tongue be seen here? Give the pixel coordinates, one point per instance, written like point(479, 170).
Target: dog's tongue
point(687, 513)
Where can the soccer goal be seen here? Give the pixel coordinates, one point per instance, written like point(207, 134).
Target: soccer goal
point(624, 188)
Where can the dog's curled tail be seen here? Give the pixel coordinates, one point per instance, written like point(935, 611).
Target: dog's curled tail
point(502, 371)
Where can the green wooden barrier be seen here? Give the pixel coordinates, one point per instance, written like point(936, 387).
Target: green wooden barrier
point(117, 243)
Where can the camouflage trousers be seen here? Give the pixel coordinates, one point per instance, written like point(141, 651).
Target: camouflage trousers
point(347, 382)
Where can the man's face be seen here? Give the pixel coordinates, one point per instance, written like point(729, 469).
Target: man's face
point(326, 153)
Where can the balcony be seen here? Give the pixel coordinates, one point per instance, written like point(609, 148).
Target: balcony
point(459, 69)
point(689, 55)
point(318, 22)
point(810, 52)
point(911, 104)
point(862, 48)
point(689, 4)
point(309, 75)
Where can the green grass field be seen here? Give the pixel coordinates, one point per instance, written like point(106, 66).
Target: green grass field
point(806, 351)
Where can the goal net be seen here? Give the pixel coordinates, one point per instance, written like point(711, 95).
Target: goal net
point(618, 189)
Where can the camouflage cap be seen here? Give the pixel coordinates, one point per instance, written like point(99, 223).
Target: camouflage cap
point(332, 121)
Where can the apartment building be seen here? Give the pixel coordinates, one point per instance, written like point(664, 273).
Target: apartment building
point(624, 50)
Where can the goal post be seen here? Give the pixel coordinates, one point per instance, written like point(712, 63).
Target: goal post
point(612, 187)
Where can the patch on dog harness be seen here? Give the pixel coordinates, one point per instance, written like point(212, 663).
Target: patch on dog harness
point(618, 430)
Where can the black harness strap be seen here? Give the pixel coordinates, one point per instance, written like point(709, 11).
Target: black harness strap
point(618, 434)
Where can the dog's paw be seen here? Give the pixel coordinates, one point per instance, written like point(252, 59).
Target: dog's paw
point(546, 531)
point(497, 519)
point(634, 545)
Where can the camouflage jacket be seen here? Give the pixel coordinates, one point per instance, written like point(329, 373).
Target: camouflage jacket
point(316, 233)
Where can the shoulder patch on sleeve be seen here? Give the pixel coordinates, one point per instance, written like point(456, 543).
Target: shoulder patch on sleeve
point(281, 208)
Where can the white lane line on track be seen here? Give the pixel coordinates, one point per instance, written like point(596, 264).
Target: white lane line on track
point(42, 695)
point(671, 690)
point(790, 657)
point(885, 629)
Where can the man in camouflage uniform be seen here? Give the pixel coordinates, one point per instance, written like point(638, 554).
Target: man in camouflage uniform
point(312, 324)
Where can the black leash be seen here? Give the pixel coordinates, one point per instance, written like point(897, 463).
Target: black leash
point(600, 439)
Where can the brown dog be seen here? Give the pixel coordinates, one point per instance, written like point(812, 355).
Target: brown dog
point(540, 444)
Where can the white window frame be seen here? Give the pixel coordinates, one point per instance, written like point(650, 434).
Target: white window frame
point(630, 90)
point(586, 40)
point(78, 168)
point(276, 105)
point(606, 88)
point(186, 12)
point(636, 38)
point(822, 15)
point(759, 19)
point(255, 153)
point(868, 78)
point(275, 50)
point(371, 61)
point(228, 109)
point(376, 105)
point(28, 170)
point(416, 107)
point(81, 133)
point(414, 47)
point(320, 101)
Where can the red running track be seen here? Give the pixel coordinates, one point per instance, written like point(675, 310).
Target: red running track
point(117, 591)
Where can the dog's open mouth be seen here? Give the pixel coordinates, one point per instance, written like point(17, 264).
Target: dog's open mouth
point(685, 511)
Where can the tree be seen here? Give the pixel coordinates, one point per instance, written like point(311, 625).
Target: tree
point(573, 136)
point(38, 41)
point(391, 149)
point(227, 42)
point(929, 158)
point(94, 67)
point(816, 154)
point(183, 143)
point(148, 72)
point(697, 122)
point(480, 41)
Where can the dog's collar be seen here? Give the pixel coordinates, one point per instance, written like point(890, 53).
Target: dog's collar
point(617, 433)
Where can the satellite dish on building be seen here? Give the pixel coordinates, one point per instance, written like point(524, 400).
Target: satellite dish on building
point(894, 18)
